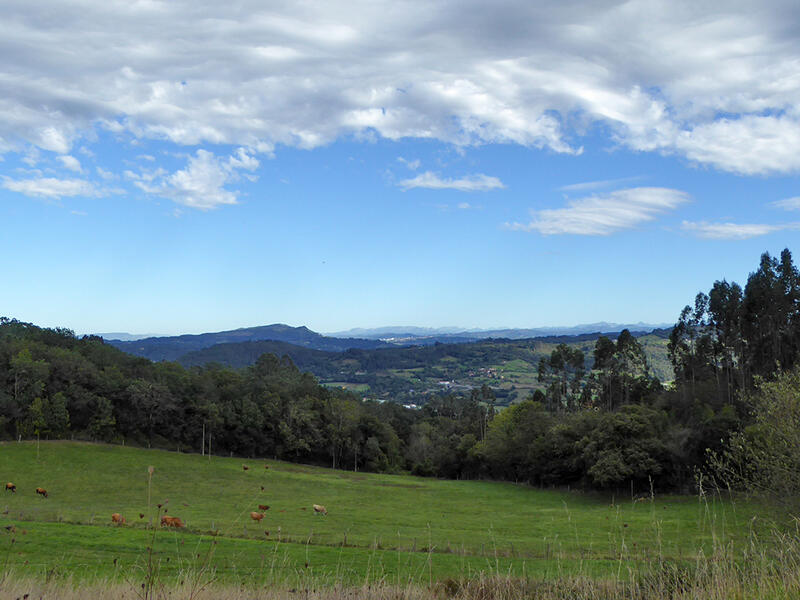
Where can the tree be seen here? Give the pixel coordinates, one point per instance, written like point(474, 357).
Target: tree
point(102, 425)
point(563, 373)
point(621, 371)
point(765, 457)
point(626, 445)
point(57, 415)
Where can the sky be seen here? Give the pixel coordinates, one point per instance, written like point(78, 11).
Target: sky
point(188, 166)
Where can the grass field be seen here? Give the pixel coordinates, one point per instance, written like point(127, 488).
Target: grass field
point(396, 529)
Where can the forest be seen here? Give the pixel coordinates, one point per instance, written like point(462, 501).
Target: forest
point(599, 421)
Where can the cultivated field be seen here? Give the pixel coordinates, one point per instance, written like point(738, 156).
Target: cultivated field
point(396, 530)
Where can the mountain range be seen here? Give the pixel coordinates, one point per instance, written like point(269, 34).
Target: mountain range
point(176, 347)
point(395, 333)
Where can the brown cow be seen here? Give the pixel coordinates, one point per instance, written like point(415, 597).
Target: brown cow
point(263, 507)
point(171, 521)
point(256, 516)
point(12, 487)
point(319, 509)
point(42, 492)
point(117, 518)
point(245, 467)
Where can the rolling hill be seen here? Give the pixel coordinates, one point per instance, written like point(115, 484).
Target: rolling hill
point(174, 347)
point(408, 374)
point(377, 526)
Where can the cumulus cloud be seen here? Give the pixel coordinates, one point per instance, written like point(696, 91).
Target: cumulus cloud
point(469, 183)
point(49, 187)
point(733, 231)
point(605, 214)
point(71, 163)
point(716, 84)
point(202, 183)
point(750, 145)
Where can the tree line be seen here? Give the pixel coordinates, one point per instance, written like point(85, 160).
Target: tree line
point(601, 420)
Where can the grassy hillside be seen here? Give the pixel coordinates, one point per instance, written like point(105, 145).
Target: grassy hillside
point(378, 527)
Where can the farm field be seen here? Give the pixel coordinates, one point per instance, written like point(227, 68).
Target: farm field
point(379, 527)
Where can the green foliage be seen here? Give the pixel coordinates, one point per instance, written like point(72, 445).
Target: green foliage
point(765, 457)
point(730, 337)
point(624, 446)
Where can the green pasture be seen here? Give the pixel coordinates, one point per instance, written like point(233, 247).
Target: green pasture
point(353, 387)
point(388, 527)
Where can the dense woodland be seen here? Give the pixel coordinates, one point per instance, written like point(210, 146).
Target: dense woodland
point(600, 421)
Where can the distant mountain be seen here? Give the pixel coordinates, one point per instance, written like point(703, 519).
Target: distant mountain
point(376, 332)
point(124, 337)
point(407, 373)
point(173, 347)
point(418, 335)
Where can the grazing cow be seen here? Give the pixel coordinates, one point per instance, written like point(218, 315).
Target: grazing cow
point(256, 516)
point(263, 507)
point(118, 519)
point(141, 515)
point(42, 492)
point(245, 467)
point(266, 466)
point(319, 509)
point(171, 521)
point(12, 487)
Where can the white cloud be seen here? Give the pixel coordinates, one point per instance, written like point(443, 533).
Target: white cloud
point(596, 185)
point(52, 138)
point(411, 164)
point(605, 214)
point(733, 231)
point(787, 203)
point(750, 145)
point(201, 184)
point(107, 175)
point(715, 83)
point(48, 187)
point(145, 175)
point(71, 163)
point(32, 157)
point(469, 183)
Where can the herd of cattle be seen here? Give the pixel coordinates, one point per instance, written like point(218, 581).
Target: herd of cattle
point(166, 520)
point(10, 487)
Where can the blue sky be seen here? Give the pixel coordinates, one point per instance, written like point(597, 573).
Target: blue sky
point(171, 167)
